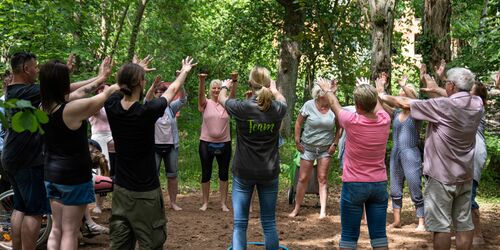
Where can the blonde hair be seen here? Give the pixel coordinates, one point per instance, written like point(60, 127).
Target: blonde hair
point(317, 92)
point(365, 97)
point(215, 82)
point(260, 81)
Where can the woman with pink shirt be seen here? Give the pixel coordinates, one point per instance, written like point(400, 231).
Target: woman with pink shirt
point(364, 178)
point(215, 138)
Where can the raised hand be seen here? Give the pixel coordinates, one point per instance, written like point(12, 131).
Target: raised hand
point(440, 69)
point(106, 67)
point(324, 84)
point(362, 80)
point(423, 71)
point(202, 76)
point(157, 81)
point(144, 63)
point(403, 81)
point(227, 83)
point(381, 82)
point(234, 76)
point(71, 62)
point(430, 85)
point(187, 64)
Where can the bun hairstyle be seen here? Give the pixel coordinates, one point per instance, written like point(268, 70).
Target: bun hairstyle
point(260, 81)
point(129, 77)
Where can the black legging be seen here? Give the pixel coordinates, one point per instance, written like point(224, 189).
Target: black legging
point(207, 157)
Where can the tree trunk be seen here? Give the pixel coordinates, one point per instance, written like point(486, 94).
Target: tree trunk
point(141, 6)
point(120, 28)
point(382, 22)
point(290, 57)
point(436, 28)
point(309, 81)
point(103, 46)
point(484, 14)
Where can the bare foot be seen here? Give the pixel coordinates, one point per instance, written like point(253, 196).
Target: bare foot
point(293, 213)
point(420, 228)
point(204, 207)
point(175, 207)
point(395, 225)
point(322, 216)
point(225, 208)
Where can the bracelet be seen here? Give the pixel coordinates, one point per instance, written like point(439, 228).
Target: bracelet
point(329, 91)
point(224, 87)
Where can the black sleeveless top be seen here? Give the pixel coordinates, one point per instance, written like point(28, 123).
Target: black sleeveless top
point(67, 156)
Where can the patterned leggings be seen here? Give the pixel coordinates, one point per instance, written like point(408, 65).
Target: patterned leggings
point(407, 164)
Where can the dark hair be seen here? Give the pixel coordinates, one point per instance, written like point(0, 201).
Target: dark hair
point(481, 91)
point(19, 59)
point(54, 83)
point(129, 77)
point(6, 73)
point(95, 145)
point(163, 86)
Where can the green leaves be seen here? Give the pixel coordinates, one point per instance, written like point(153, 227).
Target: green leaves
point(27, 118)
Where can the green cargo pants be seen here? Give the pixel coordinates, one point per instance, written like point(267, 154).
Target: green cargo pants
point(137, 216)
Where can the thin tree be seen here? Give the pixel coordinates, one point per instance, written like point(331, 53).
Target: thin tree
point(141, 6)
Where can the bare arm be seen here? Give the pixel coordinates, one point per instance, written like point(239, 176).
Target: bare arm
point(234, 78)
point(277, 94)
point(187, 65)
point(298, 125)
point(87, 89)
point(338, 134)
point(226, 84)
point(431, 87)
point(396, 101)
point(408, 92)
point(83, 88)
point(81, 109)
point(330, 90)
point(202, 100)
point(151, 91)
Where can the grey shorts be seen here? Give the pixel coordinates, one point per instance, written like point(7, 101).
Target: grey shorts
point(169, 154)
point(447, 207)
point(314, 153)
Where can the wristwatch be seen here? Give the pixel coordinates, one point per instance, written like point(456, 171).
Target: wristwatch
point(224, 87)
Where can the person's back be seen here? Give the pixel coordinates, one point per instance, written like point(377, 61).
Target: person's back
point(133, 135)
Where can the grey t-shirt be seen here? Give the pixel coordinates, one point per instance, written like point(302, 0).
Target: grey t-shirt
point(256, 155)
point(318, 127)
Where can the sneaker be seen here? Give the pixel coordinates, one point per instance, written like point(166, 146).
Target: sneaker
point(95, 229)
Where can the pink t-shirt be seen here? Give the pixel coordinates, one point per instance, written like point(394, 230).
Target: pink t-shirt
point(215, 126)
point(366, 141)
point(99, 122)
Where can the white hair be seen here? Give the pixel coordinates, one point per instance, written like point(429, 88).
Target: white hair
point(317, 92)
point(461, 77)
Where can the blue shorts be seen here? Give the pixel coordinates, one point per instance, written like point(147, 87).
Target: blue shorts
point(71, 195)
point(29, 191)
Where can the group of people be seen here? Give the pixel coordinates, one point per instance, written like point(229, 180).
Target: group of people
point(140, 135)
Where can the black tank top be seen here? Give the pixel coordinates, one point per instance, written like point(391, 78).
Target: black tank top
point(67, 156)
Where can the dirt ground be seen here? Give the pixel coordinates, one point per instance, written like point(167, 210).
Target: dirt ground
point(212, 229)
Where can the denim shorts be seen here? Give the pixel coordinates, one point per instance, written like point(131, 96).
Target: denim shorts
point(170, 154)
point(71, 195)
point(29, 191)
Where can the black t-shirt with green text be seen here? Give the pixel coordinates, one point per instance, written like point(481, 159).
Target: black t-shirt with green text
point(256, 156)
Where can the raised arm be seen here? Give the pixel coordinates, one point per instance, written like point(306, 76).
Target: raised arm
point(440, 70)
point(187, 65)
point(177, 104)
point(402, 84)
point(105, 64)
point(78, 110)
point(202, 99)
point(105, 71)
point(431, 87)
point(298, 126)
point(151, 91)
point(234, 79)
point(226, 84)
point(277, 94)
point(330, 90)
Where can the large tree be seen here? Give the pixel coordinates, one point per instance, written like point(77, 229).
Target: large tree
point(436, 29)
point(382, 23)
point(290, 54)
point(141, 6)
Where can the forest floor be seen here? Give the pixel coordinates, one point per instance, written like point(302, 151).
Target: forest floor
point(212, 229)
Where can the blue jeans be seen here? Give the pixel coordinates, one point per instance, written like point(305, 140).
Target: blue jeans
point(374, 197)
point(242, 195)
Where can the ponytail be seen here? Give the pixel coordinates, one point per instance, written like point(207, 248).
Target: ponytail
point(260, 81)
